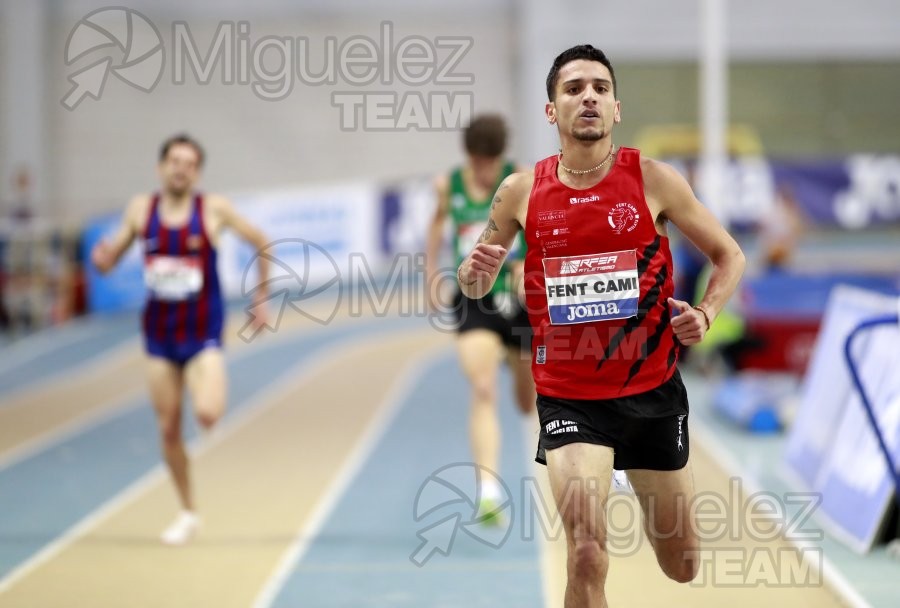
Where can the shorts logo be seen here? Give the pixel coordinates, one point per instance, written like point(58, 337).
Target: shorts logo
point(557, 427)
point(541, 357)
point(623, 217)
point(680, 431)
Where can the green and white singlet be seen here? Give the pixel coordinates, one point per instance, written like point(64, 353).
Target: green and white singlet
point(469, 220)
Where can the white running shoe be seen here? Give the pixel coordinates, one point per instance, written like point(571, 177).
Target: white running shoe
point(620, 482)
point(182, 529)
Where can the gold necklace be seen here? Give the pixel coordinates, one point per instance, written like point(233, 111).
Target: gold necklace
point(592, 169)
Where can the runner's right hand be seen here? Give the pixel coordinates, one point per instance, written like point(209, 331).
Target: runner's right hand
point(484, 262)
point(102, 257)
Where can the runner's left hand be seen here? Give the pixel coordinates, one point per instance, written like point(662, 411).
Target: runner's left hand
point(689, 325)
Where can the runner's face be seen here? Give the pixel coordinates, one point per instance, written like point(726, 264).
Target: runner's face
point(180, 169)
point(585, 107)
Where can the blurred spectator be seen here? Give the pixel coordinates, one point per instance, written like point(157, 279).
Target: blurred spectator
point(20, 212)
point(15, 311)
point(780, 231)
point(36, 271)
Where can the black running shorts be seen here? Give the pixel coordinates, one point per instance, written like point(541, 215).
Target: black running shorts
point(513, 327)
point(646, 431)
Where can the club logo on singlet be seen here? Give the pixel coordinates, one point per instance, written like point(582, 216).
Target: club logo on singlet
point(586, 288)
point(623, 217)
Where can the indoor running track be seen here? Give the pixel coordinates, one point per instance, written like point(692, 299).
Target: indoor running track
point(307, 489)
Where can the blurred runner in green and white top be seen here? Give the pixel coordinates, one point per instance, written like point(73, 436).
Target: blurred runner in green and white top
point(495, 327)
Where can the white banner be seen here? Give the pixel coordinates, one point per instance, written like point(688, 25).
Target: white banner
point(832, 448)
point(314, 230)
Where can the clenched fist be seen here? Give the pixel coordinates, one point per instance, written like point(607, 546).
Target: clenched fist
point(690, 324)
point(484, 264)
point(102, 257)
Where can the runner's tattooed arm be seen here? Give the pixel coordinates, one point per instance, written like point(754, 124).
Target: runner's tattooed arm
point(479, 270)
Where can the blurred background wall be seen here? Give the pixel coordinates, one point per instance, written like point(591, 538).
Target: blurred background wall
point(812, 91)
point(812, 78)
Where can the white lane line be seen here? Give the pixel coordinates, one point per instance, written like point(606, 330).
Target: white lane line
point(90, 365)
point(114, 353)
point(384, 415)
point(725, 460)
point(56, 435)
point(284, 385)
point(37, 345)
point(48, 439)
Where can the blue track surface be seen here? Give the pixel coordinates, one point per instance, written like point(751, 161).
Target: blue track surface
point(361, 557)
point(47, 493)
point(55, 351)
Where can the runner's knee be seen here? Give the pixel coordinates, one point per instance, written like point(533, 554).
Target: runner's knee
point(170, 426)
point(589, 556)
point(208, 414)
point(483, 390)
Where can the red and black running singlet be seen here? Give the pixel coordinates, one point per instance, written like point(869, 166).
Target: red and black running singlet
point(184, 301)
point(598, 276)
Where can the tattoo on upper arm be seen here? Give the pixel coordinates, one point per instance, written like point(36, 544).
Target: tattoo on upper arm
point(491, 228)
point(497, 199)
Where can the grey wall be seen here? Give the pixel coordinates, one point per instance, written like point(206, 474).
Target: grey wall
point(798, 109)
point(23, 139)
point(812, 76)
point(106, 149)
point(662, 32)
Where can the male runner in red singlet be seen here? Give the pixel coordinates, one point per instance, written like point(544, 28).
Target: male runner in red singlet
point(599, 296)
point(184, 313)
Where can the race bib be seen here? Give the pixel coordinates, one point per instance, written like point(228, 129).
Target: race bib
point(173, 277)
point(587, 288)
